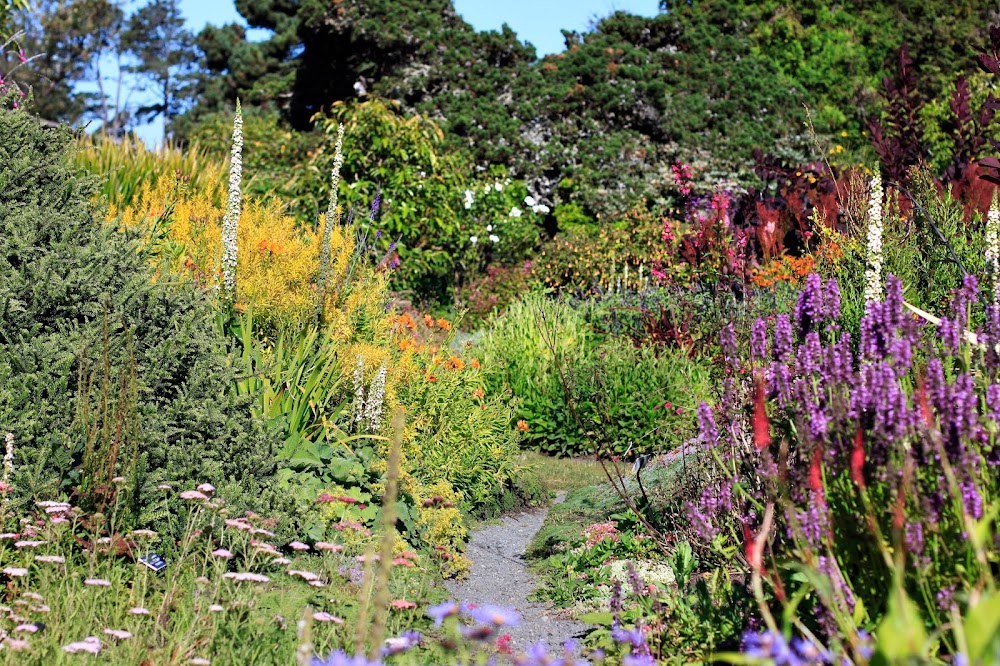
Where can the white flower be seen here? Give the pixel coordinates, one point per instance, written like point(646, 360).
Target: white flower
point(515, 212)
point(359, 390)
point(494, 238)
point(873, 272)
point(332, 216)
point(376, 395)
point(529, 201)
point(993, 247)
point(231, 220)
point(469, 199)
point(489, 227)
point(540, 209)
point(473, 239)
point(498, 187)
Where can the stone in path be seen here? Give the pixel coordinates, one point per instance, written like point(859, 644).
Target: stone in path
point(500, 577)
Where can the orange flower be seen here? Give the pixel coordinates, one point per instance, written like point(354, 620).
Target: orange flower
point(429, 320)
point(444, 324)
point(455, 363)
point(405, 344)
point(479, 392)
point(522, 425)
point(474, 363)
point(406, 321)
point(431, 378)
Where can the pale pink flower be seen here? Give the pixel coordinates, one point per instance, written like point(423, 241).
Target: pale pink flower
point(364, 558)
point(206, 488)
point(216, 608)
point(267, 548)
point(29, 544)
point(58, 520)
point(304, 575)
point(239, 523)
point(57, 509)
point(9, 535)
point(332, 547)
point(103, 541)
point(199, 661)
point(16, 645)
point(118, 479)
point(48, 504)
point(326, 617)
point(260, 530)
point(222, 553)
point(120, 634)
point(138, 610)
point(91, 644)
point(40, 609)
point(50, 559)
point(317, 583)
point(144, 533)
point(193, 495)
point(246, 575)
point(34, 596)
point(202, 580)
point(298, 545)
point(15, 572)
point(164, 486)
point(97, 582)
point(402, 604)
point(29, 628)
point(281, 561)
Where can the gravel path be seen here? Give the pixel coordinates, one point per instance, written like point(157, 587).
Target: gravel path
point(499, 576)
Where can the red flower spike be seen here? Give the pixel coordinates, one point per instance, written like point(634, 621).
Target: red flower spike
point(750, 548)
point(761, 424)
point(858, 459)
point(816, 472)
point(923, 404)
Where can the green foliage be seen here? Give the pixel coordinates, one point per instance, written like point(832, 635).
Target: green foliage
point(64, 276)
point(581, 394)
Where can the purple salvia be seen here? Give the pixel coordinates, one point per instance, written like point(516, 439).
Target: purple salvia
point(706, 422)
point(758, 342)
point(809, 310)
point(783, 342)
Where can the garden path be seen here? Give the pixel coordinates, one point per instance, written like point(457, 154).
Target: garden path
point(500, 577)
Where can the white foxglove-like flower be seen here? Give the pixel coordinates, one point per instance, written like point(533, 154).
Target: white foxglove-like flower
point(359, 390)
point(332, 218)
point(529, 201)
point(540, 209)
point(469, 199)
point(873, 272)
point(494, 238)
point(498, 187)
point(376, 396)
point(993, 247)
point(515, 212)
point(231, 221)
point(473, 239)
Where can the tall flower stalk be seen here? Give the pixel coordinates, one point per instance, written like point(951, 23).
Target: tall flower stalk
point(8, 472)
point(231, 221)
point(993, 249)
point(873, 272)
point(332, 219)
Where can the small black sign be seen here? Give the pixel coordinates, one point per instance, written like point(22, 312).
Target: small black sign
point(154, 562)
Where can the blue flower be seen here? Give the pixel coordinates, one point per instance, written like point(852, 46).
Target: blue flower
point(340, 658)
point(495, 615)
point(405, 641)
point(441, 611)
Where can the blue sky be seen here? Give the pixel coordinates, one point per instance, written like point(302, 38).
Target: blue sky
point(535, 21)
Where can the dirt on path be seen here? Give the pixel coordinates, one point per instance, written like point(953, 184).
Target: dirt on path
point(500, 577)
